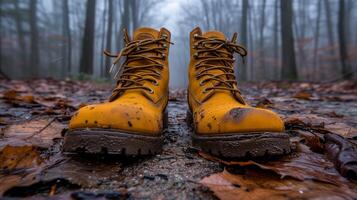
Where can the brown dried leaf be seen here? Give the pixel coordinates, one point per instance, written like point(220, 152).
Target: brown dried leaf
point(18, 165)
point(35, 132)
point(304, 165)
point(19, 157)
point(303, 95)
point(257, 184)
point(10, 94)
point(320, 124)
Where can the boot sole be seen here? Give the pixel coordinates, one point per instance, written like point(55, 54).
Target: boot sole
point(113, 142)
point(99, 141)
point(242, 145)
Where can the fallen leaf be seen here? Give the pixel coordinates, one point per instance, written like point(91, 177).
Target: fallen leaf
point(35, 132)
point(302, 165)
point(19, 157)
point(303, 95)
point(320, 124)
point(258, 184)
point(10, 94)
point(18, 166)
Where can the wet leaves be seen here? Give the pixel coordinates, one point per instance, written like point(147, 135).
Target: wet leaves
point(321, 124)
point(18, 166)
point(257, 184)
point(19, 157)
point(301, 165)
point(33, 115)
point(40, 133)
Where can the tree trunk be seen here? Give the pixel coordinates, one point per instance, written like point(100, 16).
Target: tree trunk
point(104, 26)
point(244, 37)
point(35, 54)
point(329, 24)
point(134, 14)
point(20, 34)
point(262, 74)
point(86, 63)
point(205, 5)
point(125, 20)
point(342, 40)
point(251, 41)
point(289, 71)
point(275, 40)
point(67, 42)
point(109, 34)
point(317, 37)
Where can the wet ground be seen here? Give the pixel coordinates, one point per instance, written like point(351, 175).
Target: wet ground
point(44, 172)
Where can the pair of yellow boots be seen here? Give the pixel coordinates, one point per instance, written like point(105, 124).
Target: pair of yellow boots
point(133, 120)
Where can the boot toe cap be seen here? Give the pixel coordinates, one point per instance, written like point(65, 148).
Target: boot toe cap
point(119, 117)
point(235, 119)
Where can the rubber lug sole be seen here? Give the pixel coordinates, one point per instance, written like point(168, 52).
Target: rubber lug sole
point(114, 142)
point(241, 145)
point(97, 141)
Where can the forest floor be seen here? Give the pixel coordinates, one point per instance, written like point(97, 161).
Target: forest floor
point(320, 118)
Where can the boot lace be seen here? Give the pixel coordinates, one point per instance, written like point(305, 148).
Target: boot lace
point(133, 76)
point(217, 54)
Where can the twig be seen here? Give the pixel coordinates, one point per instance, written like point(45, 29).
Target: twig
point(42, 129)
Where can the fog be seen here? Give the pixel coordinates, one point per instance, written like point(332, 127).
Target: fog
point(44, 38)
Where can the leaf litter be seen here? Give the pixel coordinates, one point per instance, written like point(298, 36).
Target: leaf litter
point(321, 119)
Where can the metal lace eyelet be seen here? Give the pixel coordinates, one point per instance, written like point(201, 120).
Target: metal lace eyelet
point(201, 83)
point(195, 35)
point(164, 36)
point(194, 46)
point(163, 55)
point(156, 83)
point(204, 91)
point(234, 59)
point(164, 45)
point(151, 91)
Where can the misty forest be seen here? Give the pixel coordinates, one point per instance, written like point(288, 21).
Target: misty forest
point(301, 63)
point(288, 40)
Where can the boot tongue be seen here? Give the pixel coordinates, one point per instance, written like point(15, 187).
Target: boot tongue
point(214, 34)
point(145, 33)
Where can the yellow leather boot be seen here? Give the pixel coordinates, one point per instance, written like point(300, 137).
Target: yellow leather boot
point(224, 124)
point(132, 121)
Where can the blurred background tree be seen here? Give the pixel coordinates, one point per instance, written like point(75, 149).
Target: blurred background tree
point(286, 39)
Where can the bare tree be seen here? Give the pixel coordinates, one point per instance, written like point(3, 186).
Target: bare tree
point(86, 63)
point(262, 73)
point(109, 32)
point(244, 36)
point(20, 31)
point(67, 42)
point(289, 71)
point(342, 39)
point(103, 38)
point(125, 19)
point(134, 5)
point(317, 37)
point(330, 33)
point(275, 39)
point(35, 54)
